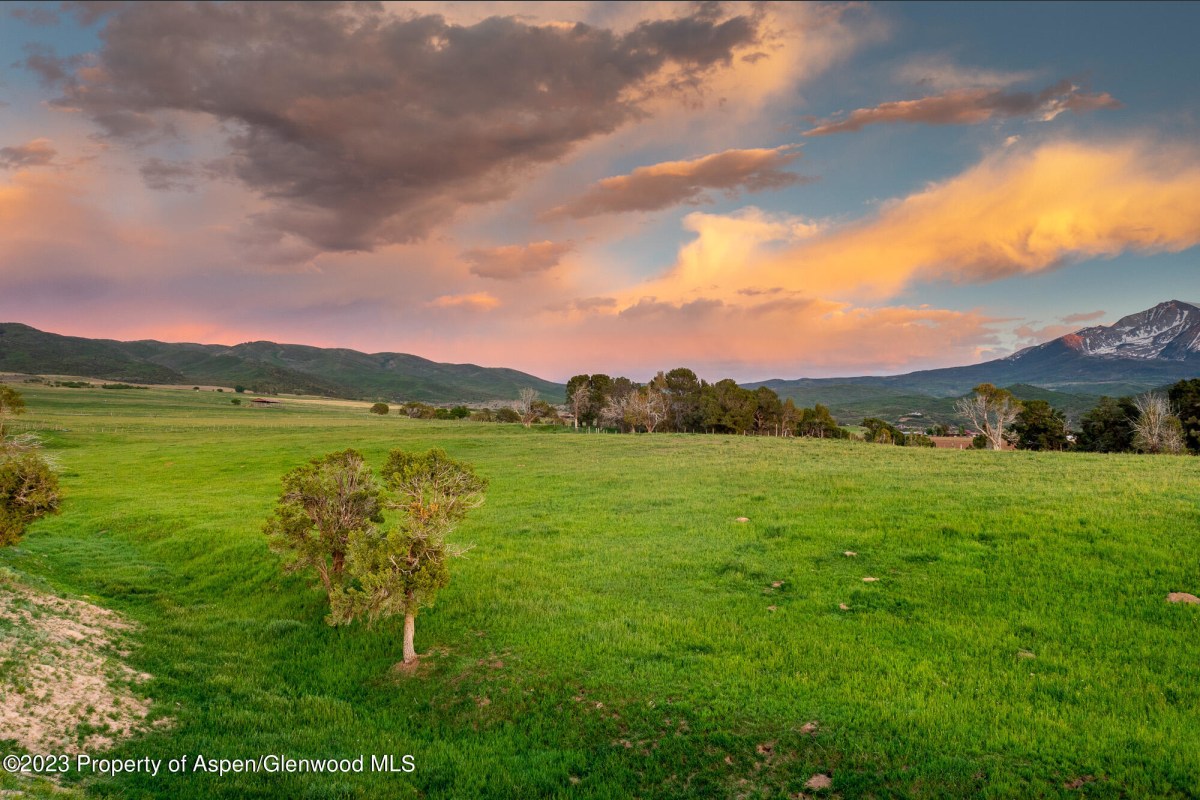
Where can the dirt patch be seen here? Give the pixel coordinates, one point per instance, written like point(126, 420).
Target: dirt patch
point(64, 685)
point(818, 781)
point(407, 669)
point(1182, 597)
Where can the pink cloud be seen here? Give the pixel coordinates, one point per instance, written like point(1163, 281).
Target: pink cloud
point(1072, 319)
point(476, 301)
point(35, 153)
point(673, 183)
point(512, 262)
point(971, 107)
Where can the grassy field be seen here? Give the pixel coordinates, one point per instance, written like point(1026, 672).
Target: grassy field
point(615, 632)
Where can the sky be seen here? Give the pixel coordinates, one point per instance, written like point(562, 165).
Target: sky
point(752, 190)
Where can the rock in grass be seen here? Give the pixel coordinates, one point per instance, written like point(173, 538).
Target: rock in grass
point(869, 579)
point(742, 519)
point(849, 554)
point(1182, 597)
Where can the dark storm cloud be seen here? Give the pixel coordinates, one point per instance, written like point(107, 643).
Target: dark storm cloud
point(364, 128)
point(971, 107)
point(674, 182)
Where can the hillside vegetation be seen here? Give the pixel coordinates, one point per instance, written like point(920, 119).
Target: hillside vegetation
point(617, 632)
point(264, 367)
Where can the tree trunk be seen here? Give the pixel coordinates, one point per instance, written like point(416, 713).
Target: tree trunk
point(339, 562)
point(410, 632)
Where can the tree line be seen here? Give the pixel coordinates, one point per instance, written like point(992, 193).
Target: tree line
point(678, 401)
point(1155, 422)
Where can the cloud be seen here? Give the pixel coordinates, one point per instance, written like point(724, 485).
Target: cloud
point(726, 253)
point(478, 301)
point(674, 182)
point(971, 107)
point(34, 16)
point(359, 127)
point(51, 70)
point(35, 153)
point(512, 262)
point(784, 337)
point(1036, 333)
point(942, 74)
point(167, 175)
point(1074, 319)
point(1019, 211)
point(593, 303)
point(1031, 334)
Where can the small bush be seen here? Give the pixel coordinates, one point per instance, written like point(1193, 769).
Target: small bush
point(28, 490)
point(237, 401)
point(507, 415)
point(380, 409)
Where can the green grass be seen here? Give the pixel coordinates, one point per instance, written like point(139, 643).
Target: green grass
point(611, 632)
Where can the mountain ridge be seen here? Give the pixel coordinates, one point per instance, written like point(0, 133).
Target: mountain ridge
point(264, 367)
point(1140, 351)
point(1126, 357)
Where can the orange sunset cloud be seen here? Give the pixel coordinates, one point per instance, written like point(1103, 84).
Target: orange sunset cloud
point(1013, 213)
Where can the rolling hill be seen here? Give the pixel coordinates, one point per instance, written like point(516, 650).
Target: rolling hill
point(264, 367)
point(1139, 352)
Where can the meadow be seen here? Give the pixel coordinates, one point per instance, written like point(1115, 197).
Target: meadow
point(617, 632)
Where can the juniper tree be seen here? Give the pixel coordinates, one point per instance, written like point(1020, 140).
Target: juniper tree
point(1040, 426)
point(11, 403)
point(324, 503)
point(401, 570)
point(28, 490)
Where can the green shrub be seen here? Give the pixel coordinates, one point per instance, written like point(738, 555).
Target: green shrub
point(28, 490)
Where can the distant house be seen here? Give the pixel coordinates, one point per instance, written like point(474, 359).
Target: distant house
point(263, 402)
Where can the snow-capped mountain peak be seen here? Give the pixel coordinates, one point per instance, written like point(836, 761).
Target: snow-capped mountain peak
point(1169, 331)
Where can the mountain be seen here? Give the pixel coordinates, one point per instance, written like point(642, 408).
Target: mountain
point(1168, 332)
point(1139, 352)
point(264, 367)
